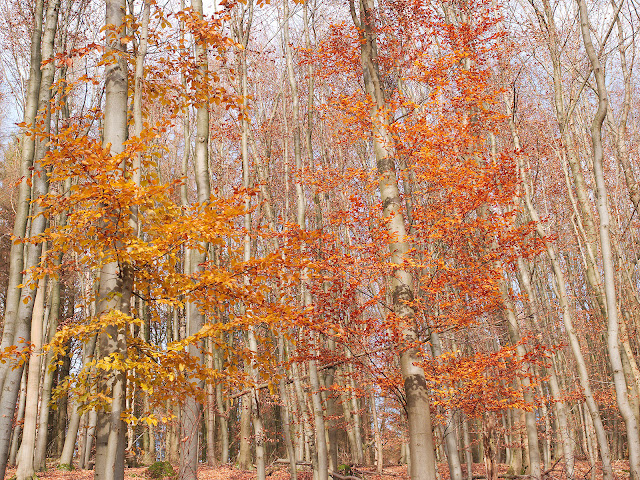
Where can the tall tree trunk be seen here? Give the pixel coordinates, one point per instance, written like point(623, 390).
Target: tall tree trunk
point(191, 414)
point(62, 407)
point(10, 378)
point(421, 443)
point(224, 424)
point(468, 455)
point(211, 410)
point(530, 416)
point(115, 282)
point(613, 346)
point(16, 255)
point(66, 457)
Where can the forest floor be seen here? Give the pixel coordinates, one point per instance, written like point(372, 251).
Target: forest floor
point(399, 472)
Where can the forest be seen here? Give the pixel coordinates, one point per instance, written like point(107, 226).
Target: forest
point(319, 239)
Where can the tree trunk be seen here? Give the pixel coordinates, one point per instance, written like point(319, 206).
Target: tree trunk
point(17, 431)
point(16, 255)
point(25, 470)
point(211, 411)
point(115, 282)
point(61, 408)
point(191, 414)
point(376, 435)
point(284, 414)
point(421, 443)
point(244, 454)
point(43, 421)
point(224, 425)
point(17, 324)
point(633, 434)
point(468, 455)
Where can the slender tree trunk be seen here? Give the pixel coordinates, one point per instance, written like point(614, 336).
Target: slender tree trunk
point(355, 415)
point(562, 419)
point(322, 467)
point(191, 414)
point(211, 410)
point(376, 435)
point(85, 455)
point(17, 326)
point(25, 470)
point(284, 414)
point(468, 455)
point(224, 425)
point(16, 255)
point(61, 410)
point(66, 458)
point(530, 416)
point(17, 431)
point(633, 434)
point(43, 420)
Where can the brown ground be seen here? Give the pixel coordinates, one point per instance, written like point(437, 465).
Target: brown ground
point(583, 472)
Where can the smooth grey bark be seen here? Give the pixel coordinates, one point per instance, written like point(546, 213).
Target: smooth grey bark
point(16, 255)
point(421, 444)
point(358, 453)
point(17, 431)
point(84, 456)
point(191, 413)
point(345, 399)
point(224, 425)
point(613, 346)
point(377, 438)
point(559, 405)
point(27, 449)
point(66, 458)
point(72, 433)
point(244, 453)
point(47, 382)
point(114, 281)
point(562, 419)
point(307, 441)
point(10, 379)
point(243, 33)
point(211, 410)
point(332, 414)
point(25, 470)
